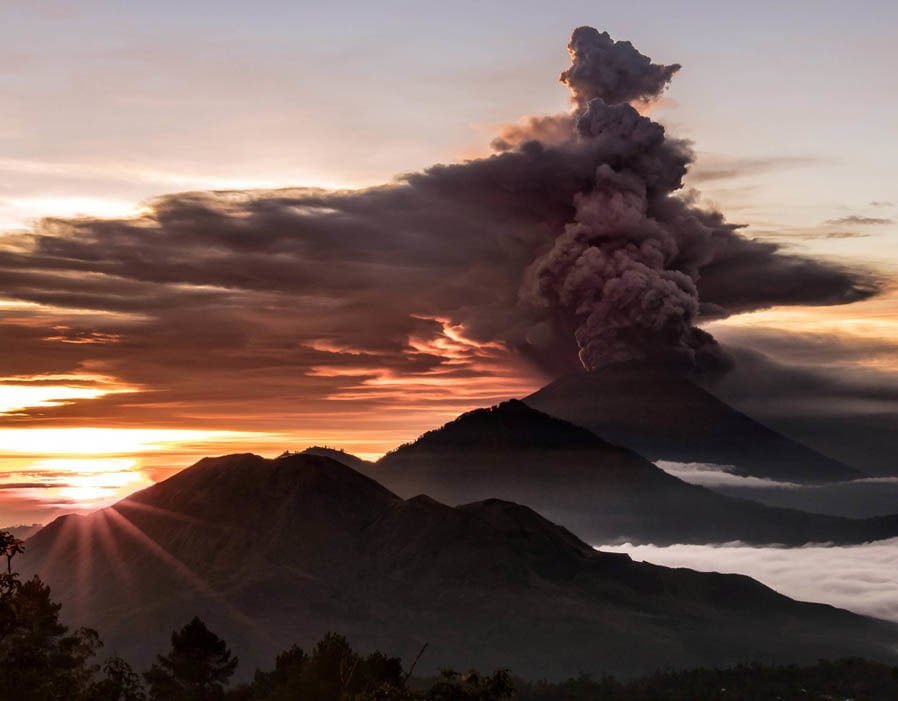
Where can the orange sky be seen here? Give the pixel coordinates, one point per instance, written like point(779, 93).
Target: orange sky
point(81, 440)
point(57, 455)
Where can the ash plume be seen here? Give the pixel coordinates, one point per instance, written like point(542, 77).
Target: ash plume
point(613, 71)
point(573, 245)
point(624, 271)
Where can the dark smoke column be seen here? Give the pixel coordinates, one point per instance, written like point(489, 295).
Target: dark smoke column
point(623, 272)
point(612, 70)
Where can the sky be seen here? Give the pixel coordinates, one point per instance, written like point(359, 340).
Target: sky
point(219, 338)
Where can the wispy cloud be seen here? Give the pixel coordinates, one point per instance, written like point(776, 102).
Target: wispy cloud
point(712, 167)
point(858, 220)
point(708, 475)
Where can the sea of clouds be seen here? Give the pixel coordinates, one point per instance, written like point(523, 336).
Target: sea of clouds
point(860, 578)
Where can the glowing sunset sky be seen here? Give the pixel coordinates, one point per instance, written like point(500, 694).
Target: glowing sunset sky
point(105, 110)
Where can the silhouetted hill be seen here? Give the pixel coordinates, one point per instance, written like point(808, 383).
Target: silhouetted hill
point(600, 491)
point(509, 426)
point(274, 552)
point(661, 414)
point(342, 456)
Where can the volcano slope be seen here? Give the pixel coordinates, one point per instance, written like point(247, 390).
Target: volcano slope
point(600, 491)
point(276, 552)
point(663, 415)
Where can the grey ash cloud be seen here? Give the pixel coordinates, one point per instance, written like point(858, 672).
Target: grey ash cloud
point(573, 245)
point(613, 71)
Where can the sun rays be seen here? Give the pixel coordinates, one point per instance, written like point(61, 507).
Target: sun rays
point(110, 543)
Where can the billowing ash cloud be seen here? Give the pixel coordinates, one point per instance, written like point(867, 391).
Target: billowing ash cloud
point(571, 245)
point(624, 271)
point(612, 71)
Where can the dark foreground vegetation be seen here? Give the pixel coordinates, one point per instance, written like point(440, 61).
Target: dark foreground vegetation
point(43, 660)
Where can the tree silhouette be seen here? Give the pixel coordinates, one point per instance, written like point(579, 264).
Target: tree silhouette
point(197, 668)
point(472, 686)
point(39, 659)
point(119, 683)
point(332, 671)
point(10, 546)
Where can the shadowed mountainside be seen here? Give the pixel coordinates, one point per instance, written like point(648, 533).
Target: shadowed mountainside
point(600, 491)
point(348, 459)
point(272, 552)
point(662, 415)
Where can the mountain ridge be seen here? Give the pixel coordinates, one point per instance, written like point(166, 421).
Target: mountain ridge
point(340, 552)
point(603, 492)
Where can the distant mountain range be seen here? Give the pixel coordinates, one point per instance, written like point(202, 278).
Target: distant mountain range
point(22, 531)
point(275, 552)
point(663, 415)
point(600, 491)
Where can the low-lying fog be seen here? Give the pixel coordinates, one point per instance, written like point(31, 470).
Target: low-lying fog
point(875, 496)
point(860, 578)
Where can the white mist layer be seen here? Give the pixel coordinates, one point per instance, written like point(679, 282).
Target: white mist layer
point(862, 498)
point(860, 578)
point(709, 475)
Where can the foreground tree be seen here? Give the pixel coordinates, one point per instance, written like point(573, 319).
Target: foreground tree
point(10, 546)
point(119, 683)
point(332, 671)
point(40, 660)
point(197, 668)
point(472, 686)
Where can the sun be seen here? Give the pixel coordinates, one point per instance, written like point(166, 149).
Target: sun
point(79, 483)
point(78, 469)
